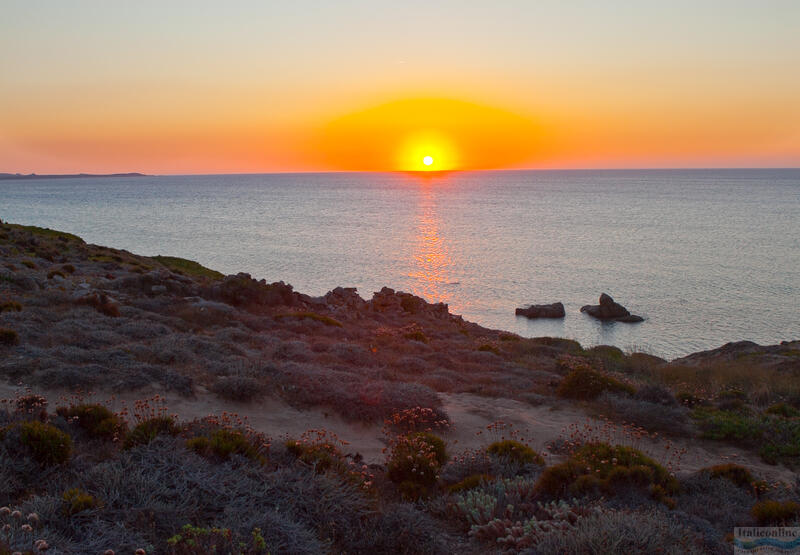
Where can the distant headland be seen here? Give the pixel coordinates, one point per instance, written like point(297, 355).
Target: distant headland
point(66, 175)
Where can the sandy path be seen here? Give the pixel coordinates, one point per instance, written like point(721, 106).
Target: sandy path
point(469, 413)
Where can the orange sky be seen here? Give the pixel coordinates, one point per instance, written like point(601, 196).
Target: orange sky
point(203, 87)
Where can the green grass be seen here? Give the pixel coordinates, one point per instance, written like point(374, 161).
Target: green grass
point(187, 267)
point(46, 232)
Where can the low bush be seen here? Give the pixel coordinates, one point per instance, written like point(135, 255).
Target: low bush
point(97, 420)
point(8, 337)
point(656, 394)
point(605, 468)
point(470, 482)
point(30, 264)
point(327, 320)
point(101, 303)
point(55, 273)
point(671, 419)
point(194, 540)
point(784, 410)
point(732, 472)
point(10, 306)
point(77, 500)
point(416, 336)
point(515, 451)
point(585, 383)
point(509, 337)
point(147, 430)
point(237, 388)
point(223, 443)
point(489, 348)
point(611, 531)
point(187, 267)
point(47, 444)
point(775, 513)
point(415, 461)
point(69, 268)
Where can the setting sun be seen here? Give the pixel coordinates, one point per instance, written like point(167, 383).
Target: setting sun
point(428, 160)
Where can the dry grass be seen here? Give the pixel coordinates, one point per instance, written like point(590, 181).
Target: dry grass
point(764, 386)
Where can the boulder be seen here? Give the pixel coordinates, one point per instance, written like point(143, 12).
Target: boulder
point(554, 310)
point(610, 310)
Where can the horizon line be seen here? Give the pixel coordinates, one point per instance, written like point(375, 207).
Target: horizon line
point(421, 173)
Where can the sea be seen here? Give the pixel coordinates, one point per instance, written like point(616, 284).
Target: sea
point(705, 256)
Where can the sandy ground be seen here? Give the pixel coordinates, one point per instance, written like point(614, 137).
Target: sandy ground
point(470, 414)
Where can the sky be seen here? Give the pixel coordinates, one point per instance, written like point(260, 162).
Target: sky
point(177, 87)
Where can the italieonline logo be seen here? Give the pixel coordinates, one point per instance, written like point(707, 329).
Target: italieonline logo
point(778, 540)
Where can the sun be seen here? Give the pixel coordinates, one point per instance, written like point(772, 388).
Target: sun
point(428, 160)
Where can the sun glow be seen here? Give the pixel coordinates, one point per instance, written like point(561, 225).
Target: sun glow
point(427, 135)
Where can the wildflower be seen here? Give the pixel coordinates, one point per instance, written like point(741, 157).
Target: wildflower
point(139, 552)
point(108, 552)
point(5, 511)
point(26, 528)
point(16, 514)
point(41, 545)
point(33, 518)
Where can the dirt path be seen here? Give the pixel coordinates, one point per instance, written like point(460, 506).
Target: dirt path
point(469, 413)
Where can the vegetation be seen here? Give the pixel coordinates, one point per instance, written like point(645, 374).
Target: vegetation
point(97, 420)
point(76, 500)
point(47, 444)
point(8, 337)
point(187, 267)
point(222, 443)
point(516, 452)
point(327, 320)
point(414, 463)
point(605, 468)
point(147, 430)
point(584, 383)
point(775, 513)
point(10, 306)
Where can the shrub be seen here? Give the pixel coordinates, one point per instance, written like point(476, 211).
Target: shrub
point(102, 304)
point(414, 462)
point(237, 388)
point(585, 383)
point(784, 410)
point(76, 500)
point(29, 264)
point(187, 267)
point(223, 443)
point(416, 336)
point(691, 400)
point(601, 467)
point(196, 540)
point(53, 273)
point(69, 268)
point(770, 512)
point(509, 337)
point(610, 531)
point(147, 430)
point(97, 420)
point(516, 452)
point(327, 320)
point(10, 306)
point(8, 337)
point(656, 394)
point(648, 415)
point(470, 482)
point(732, 472)
point(47, 444)
point(489, 348)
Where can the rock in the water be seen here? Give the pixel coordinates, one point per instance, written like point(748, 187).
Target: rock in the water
point(554, 310)
point(610, 310)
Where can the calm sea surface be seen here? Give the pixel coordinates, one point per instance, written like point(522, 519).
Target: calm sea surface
point(706, 256)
